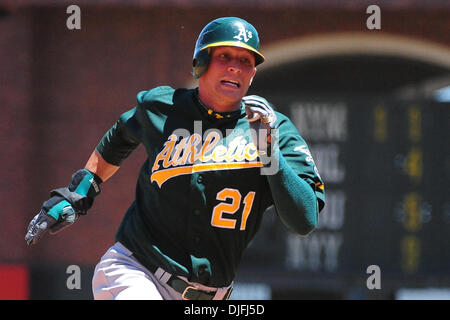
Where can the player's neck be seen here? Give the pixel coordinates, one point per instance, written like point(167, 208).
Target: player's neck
point(218, 105)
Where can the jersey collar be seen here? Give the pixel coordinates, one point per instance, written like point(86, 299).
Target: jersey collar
point(211, 114)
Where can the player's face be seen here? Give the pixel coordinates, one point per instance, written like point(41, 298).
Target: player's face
point(228, 77)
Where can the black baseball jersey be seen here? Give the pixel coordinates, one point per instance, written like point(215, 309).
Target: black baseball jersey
point(200, 195)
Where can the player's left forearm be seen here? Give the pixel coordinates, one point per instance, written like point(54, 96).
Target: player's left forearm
point(96, 164)
point(295, 201)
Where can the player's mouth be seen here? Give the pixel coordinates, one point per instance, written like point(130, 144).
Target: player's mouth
point(231, 83)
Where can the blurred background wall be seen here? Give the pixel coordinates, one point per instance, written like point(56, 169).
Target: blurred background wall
point(372, 105)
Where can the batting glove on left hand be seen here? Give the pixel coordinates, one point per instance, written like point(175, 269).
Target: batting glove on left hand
point(45, 220)
point(65, 206)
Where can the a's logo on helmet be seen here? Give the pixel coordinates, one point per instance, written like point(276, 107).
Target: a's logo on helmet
point(243, 33)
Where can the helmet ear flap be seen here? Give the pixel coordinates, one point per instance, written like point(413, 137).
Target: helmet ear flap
point(200, 63)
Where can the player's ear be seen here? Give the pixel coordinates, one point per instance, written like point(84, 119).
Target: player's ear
point(251, 79)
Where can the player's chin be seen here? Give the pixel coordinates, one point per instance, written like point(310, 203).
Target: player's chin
point(233, 94)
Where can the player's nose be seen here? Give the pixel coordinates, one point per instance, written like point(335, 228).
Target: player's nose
point(234, 66)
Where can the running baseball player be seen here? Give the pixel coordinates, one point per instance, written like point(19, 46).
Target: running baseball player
point(217, 159)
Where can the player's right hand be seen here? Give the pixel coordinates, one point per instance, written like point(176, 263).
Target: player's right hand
point(262, 119)
point(55, 215)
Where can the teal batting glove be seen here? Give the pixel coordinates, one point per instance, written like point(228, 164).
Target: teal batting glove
point(65, 206)
point(55, 215)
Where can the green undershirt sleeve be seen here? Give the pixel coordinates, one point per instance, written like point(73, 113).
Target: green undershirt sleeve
point(294, 199)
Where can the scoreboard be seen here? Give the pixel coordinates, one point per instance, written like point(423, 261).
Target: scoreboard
point(386, 168)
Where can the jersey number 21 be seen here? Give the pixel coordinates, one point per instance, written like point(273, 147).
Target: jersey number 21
point(217, 219)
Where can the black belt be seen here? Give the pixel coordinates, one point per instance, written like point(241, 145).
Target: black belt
point(189, 292)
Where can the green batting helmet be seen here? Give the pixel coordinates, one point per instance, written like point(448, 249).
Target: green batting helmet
point(227, 31)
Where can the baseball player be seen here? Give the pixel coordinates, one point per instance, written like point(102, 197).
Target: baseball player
point(217, 159)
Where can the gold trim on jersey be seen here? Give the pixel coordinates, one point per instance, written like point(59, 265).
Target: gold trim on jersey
point(162, 176)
